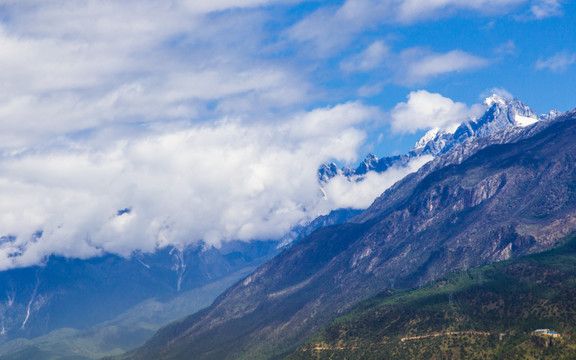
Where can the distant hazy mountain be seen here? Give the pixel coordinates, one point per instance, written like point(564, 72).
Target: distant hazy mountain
point(76, 293)
point(490, 199)
point(52, 309)
point(42, 299)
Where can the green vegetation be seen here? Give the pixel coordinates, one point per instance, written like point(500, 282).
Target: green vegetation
point(482, 313)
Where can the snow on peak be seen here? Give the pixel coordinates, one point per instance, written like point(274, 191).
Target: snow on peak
point(494, 99)
point(551, 115)
point(511, 111)
point(429, 136)
point(524, 121)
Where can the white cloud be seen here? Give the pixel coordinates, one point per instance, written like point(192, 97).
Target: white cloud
point(558, 62)
point(425, 110)
point(341, 192)
point(220, 5)
point(541, 9)
point(496, 91)
point(370, 90)
point(411, 66)
point(109, 105)
point(229, 180)
point(507, 48)
point(330, 29)
point(70, 67)
point(412, 10)
point(369, 59)
point(418, 65)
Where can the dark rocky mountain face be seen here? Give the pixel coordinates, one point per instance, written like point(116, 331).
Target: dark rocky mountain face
point(467, 209)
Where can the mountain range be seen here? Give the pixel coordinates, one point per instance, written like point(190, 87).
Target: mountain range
point(493, 198)
point(502, 114)
point(455, 213)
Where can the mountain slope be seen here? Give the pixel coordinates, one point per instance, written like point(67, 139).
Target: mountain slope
point(488, 312)
point(502, 202)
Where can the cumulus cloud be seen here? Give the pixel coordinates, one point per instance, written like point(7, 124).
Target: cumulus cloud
point(558, 62)
point(425, 110)
point(230, 180)
point(136, 124)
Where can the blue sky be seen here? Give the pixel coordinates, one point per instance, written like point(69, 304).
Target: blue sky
point(209, 119)
point(527, 48)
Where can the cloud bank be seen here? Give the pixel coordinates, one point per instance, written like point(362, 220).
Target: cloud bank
point(341, 192)
point(229, 180)
point(72, 67)
point(135, 124)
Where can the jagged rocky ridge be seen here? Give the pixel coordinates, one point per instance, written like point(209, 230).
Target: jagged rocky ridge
point(494, 198)
point(502, 114)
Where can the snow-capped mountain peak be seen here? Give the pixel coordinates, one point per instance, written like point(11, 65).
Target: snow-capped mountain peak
point(494, 99)
point(501, 114)
point(429, 136)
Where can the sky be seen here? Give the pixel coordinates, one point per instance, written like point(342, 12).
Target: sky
point(133, 125)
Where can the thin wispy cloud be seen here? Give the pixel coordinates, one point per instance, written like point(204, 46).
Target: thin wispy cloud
point(372, 57)
point(413, 10)
point(541, 9)
point(507, 48)
point(420, 65)
point(558, 62)
point(412, 66)
point(496, 91)
point(330, 29)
